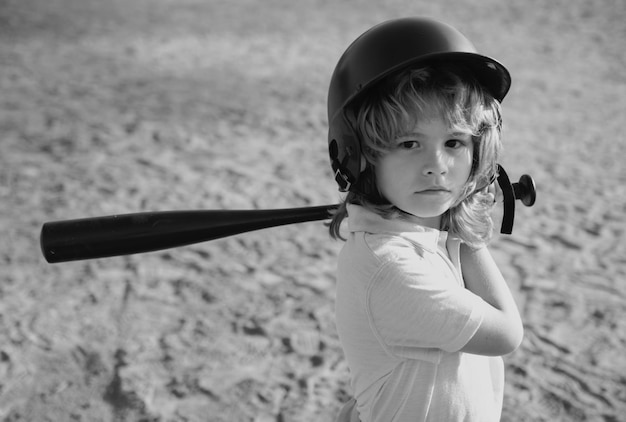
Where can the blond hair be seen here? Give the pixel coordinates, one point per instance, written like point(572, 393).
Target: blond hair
point(395, 106)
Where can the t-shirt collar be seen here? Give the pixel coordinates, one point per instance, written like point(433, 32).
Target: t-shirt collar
point(360, 219)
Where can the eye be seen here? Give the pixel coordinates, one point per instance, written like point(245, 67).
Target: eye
point(456, 143)
point(408, 145)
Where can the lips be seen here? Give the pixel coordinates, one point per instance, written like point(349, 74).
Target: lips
point(434, 190)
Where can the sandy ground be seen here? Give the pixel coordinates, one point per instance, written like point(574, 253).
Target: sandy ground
point(121, 106)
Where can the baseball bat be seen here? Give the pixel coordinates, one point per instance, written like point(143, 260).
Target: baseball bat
point(125, 234)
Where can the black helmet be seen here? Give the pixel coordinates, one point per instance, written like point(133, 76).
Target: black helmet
point(387, 48)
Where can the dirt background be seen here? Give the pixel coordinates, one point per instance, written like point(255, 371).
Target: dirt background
point(114, 106)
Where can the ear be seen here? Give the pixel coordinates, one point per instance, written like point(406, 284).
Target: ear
point(363, 163)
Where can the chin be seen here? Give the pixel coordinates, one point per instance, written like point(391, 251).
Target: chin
point(427, 218)
point(430, 212)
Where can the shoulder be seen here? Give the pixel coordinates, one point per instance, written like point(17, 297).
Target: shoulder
point(385, 254)
point(394, 248)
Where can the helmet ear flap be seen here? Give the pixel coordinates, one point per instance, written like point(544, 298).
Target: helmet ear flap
point(345, 152)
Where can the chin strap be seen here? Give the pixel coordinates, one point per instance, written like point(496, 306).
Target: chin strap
point(524, 190)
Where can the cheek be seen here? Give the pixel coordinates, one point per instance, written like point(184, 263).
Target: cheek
point(462, 170)
point(381, 177)
point(387, 176)
point(469, 165)
point(466, 163)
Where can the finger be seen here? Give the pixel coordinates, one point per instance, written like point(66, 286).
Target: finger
point(494, 192)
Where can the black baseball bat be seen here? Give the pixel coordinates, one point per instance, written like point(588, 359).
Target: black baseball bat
point(126, 234)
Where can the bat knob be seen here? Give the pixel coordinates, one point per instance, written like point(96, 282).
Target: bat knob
point(525, 190)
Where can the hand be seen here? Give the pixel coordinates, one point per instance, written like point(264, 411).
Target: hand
point(495, 192)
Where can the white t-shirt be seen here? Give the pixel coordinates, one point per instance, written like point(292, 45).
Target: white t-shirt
point(402, 315)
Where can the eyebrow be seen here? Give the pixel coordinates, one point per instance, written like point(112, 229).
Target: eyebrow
point(461, 134)
point(422, 135)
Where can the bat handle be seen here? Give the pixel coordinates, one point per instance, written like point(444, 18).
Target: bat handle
point(524, 190)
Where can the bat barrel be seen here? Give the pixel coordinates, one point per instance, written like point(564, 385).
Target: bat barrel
point(126, 234)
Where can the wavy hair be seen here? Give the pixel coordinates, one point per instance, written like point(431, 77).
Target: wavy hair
point(394, 106)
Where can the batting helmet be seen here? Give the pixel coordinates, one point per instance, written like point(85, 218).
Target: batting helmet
point(386, 48)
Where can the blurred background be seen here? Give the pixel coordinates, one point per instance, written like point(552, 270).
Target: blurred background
point(115, 106)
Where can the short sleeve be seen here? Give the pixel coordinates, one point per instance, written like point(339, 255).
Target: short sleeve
point(416, 301)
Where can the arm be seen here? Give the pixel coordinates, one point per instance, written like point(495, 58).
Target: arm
point(501, 330)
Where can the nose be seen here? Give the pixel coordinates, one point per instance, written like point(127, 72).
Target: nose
point(435, 164)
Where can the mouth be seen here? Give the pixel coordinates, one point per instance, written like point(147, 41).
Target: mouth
point(435, 190)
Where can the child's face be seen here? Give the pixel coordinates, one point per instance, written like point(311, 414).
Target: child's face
point(425, 171)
